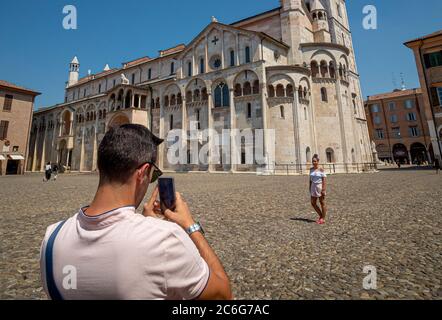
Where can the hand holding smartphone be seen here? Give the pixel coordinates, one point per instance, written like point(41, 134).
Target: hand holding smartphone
point(166, 186)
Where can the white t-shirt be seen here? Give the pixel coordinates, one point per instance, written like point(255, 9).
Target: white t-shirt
point(121, 255)
point(48, 167)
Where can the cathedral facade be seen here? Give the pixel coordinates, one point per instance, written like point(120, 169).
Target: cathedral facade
point(291, 70)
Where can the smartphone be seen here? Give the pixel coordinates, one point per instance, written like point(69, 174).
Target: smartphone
point(166, 188)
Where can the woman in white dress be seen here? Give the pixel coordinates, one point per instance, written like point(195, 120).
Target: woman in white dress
point(318, 189)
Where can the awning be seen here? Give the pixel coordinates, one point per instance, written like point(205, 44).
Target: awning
point(2, 158)
point(16, 157)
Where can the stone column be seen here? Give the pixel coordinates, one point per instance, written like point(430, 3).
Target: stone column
point(233, 147)
point(237, 51)
point(341, 126)
point(265, 123)
point(184, 127)
point(297, 139)
point(210, 127)
point(162, 132)
point(43, 153)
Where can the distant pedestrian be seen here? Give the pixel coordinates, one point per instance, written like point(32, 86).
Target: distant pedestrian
point(437, 165)
point(55, 171)
point(318, 189)
point(48, 172)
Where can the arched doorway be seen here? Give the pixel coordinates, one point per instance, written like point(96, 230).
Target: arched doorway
point(64, 155)
point(418, 153)
point(118, 120)
point(400, 153)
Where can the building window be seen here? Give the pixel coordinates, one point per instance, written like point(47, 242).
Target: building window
point(391, 106)
point(249, 110)
point(281, 112)
point(222, 96)
point(409, 104)
point(114, 83)
point(8, 102)
point(99, 88)
point(324, 97)
point(133, 78)
point(411, 116)
point(248, 59)
point(380, 133)
point(330, 155)
point(339, 9)
point(232, 58)
point(149, 74)
point(414, 131)
point(393, 118)
point(172, 68)
point(433, 59)
point(4, 130)
point(189, 69)
point(202, 66)
point(84, 92)
point(396, 132)
point(377, 120)
point(439, 94)
point(375, 108)
point(171, 122)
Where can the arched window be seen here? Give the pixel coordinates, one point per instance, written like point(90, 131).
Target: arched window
point(271, 91)
point(196, 95)
point(222, 96)
point(238, 90)
point(204, 95)
point(173, 100)
point(166, 101)
point(256, 87)
point(289, 91)
point(104, 114)
point(249, 110)
point(189, 69)
point(189, 96)
point(281, 112)
point(340, 71)
point(100, 115)
point(171, 122)
point(305, 114)
point(179, 99)
point(280, 92)
point(232, 58)
point(202, 66)
point(330, 155)
point(247, 90)
point(314, 16)
point(315, 69)
point(172, 68)
point(324, 97)
point(300, 94)
point(332, 70)
point(248, 58)
point(157, 103)
point(324, 69)
point(306, 97)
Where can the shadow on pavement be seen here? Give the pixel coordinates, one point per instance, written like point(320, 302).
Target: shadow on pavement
point(303, 220)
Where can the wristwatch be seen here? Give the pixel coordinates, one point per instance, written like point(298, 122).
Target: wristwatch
point(195, 228)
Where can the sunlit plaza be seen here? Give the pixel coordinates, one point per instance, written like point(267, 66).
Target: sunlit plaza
point(263, 230)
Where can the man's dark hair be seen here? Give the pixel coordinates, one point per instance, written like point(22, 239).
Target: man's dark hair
point(123, 150)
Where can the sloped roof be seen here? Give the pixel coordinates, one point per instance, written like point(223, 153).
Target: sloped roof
point(12, 86)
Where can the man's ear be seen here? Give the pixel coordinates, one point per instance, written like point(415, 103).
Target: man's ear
point(143, 172)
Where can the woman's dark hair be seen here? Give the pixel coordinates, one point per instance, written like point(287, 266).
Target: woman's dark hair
point(316, 157)
point(123, 150)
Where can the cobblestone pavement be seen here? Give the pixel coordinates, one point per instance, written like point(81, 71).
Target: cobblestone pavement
point(260, 227)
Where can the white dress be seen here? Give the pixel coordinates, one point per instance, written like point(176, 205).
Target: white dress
point(316, 177)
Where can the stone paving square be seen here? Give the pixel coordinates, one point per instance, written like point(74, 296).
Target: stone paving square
point(262, 230)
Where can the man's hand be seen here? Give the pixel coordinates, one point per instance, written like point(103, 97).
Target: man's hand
point(152, 207)
point(182, 215)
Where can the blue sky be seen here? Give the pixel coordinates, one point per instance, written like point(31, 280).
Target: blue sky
point(36, 50)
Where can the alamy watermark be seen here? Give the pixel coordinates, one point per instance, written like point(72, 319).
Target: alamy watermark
point(370, 281)
point(70, 18)
point(370, 21)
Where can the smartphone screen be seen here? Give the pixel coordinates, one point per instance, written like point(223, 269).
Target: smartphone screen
point(166, 188)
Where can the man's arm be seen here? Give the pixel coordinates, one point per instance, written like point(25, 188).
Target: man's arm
point(218, 287)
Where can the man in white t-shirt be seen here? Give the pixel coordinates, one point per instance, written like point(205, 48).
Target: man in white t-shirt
point(108, 251)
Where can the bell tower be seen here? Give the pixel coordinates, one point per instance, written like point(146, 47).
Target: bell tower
point(292, 14)
point(74, 69)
